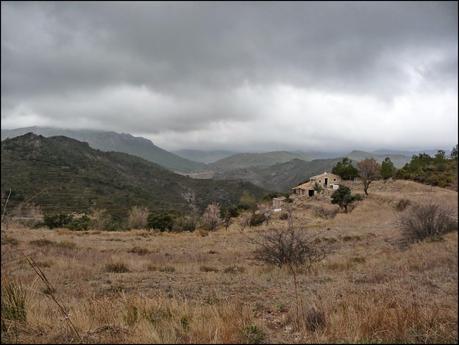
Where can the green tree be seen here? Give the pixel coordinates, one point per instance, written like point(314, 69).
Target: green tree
point(345, 169)
point(343, 197)
point(387, 169)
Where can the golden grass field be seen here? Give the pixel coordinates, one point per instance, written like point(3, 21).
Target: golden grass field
point(207, 287)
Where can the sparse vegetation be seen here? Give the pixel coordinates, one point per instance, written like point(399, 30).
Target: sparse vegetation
point(427, 221)
point(437, 171)
point(184, 288)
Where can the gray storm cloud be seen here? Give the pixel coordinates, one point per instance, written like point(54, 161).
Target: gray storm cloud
point(236, 75)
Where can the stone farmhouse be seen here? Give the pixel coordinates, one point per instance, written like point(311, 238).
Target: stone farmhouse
point(327, 181)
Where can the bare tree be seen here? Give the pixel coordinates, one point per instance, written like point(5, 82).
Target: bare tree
point(211, 217)
point(369, 171)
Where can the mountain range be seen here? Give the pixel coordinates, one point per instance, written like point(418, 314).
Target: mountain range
point(67, 175)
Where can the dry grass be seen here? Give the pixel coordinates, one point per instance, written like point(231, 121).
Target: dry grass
point(191, 289)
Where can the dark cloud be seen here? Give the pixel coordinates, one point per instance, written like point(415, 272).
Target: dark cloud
point(172, 70)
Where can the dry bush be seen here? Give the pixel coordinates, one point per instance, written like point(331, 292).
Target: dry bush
point(402, 204)
point(100, 219)
point(14, 304)
point(42, 242)
point(138, 217)
point(326, 213)
point(139, 251)
point(211, 217)
point(208, 269)
point(167, 269)
point(283, 216)
point(427, 221)
point(315, 319)
point(116, 267)
point(287, 247)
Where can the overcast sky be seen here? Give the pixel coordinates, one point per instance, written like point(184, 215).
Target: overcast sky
point(241, 76)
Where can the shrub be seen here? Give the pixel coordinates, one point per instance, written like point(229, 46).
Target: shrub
point(283, 216)
point(208, 269)
point(117, 267)
point(315, 319)
point(211, 217)
point(257, 219)
point(325, 213)
point(343, 197)
point(427, 221)
point(57, 220)
point(137, 217)
point(139, 251)
point(41, 242)
point(252, 334)
point(14, 301)
point(160, 221)
point(81, 223)
point(185, 223)
point(287, 247)
point(402, 204)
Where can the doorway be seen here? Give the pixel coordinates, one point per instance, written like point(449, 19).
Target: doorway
point(326, 182)
point(311, 192)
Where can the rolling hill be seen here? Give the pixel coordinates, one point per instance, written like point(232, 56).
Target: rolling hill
point(247, 160)
point(65, 175)
point(119, 142)
point(280, 177)
point(399, 160)
point(204, 156)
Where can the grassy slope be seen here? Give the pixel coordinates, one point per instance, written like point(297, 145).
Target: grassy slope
point(181, 291)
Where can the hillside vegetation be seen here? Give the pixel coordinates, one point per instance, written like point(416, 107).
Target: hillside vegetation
point(65, 175)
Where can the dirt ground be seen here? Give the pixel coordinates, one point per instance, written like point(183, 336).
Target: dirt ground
point(208, 287)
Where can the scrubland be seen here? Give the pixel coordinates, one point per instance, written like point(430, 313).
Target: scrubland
point(143, 286)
